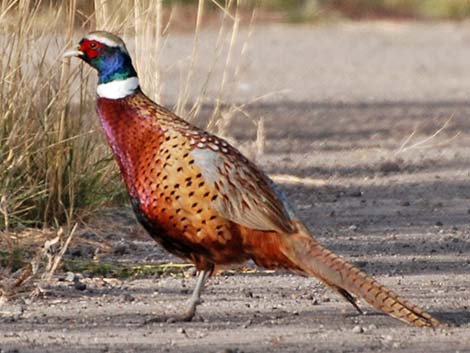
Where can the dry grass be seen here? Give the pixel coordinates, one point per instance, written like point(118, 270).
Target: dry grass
point(30, 259)
point(51, 162)
point(427, 142)
point(54, 165)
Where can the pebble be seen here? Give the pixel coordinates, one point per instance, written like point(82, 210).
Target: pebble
point(355, 193)
point(79, 285)
point(248, 293)
point(128, 297)
point(357, 329)
point(229, 350)
point(181, 330)
point(353, 227)
point(70, 277)
point(389, 167)
point(83, 250)
point(247, 323)
point(121, 249)
point(191, 272)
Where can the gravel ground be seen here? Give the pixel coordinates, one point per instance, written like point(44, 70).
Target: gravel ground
point(356, 93)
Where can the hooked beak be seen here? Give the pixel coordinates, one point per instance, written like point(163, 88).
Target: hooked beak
point(73, 52)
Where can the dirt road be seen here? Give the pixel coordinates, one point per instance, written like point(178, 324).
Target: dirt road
point(357, 92)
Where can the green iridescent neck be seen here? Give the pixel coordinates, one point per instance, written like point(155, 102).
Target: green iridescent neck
point(115, 66)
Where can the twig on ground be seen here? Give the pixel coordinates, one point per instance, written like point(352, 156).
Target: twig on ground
point(425, 142)
point(292, 179)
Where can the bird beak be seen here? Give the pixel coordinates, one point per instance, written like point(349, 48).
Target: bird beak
point(73, 52)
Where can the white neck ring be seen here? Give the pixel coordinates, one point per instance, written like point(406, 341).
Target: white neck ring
point(118, 89)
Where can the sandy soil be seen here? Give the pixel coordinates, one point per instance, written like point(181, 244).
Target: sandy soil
point(403, 217)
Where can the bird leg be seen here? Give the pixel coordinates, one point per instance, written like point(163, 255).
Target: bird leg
point(195, 299)
point(193, 302)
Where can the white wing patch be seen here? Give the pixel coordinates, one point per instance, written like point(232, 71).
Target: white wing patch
point(245, 196)
point(208, 161)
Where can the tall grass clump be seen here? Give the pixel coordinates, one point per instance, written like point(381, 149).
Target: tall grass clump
point(54, 164)
point(51, 162)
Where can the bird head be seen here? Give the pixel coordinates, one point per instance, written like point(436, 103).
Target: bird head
point(107, 53)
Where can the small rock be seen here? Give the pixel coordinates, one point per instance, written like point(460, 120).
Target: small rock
point(357, 329)
point(121, 249)
point(70, 277)
point(389, 167)
point(191, 272)
point(75, 252)
point(90, 236)
point(128, 297)
point(247, 323)
point(353, 227)
point(372, 327)
point(355, 193)
point(361, 264)
point(81, 250)
point(405, 203)
point(79, 285)
point(181, 330)
point(439, 224)
point(248, 293)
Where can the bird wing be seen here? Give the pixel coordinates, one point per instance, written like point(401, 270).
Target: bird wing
point(245, 195)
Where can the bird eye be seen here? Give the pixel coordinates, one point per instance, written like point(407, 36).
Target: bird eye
point(93, 45)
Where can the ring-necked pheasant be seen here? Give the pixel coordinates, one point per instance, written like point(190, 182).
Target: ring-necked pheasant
point(202, 200)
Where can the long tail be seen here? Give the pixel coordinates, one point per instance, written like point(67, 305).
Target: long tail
point(345, 278)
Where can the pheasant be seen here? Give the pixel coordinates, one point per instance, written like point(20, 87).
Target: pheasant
point(202, 200)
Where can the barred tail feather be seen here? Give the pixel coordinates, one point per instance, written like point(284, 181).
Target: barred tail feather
point(345, 278)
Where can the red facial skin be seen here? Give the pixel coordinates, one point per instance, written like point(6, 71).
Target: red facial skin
point(91, 48)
